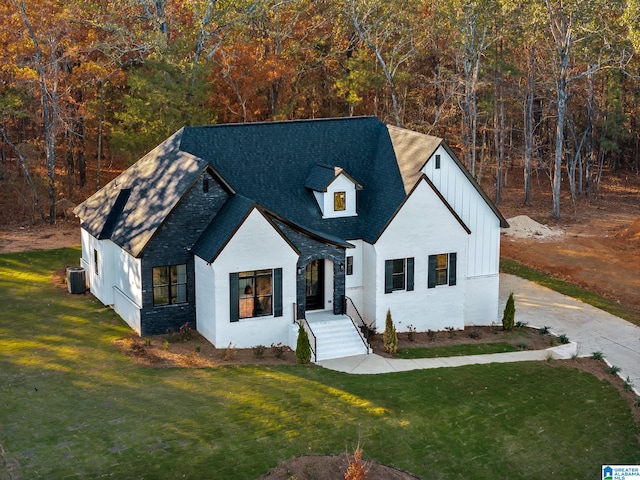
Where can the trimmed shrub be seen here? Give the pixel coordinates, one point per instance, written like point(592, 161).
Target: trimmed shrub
point(390, 337)
point(509, 316)
point(303, 349)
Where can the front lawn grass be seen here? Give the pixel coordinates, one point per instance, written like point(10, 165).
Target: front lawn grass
point(546, 280)
point(73, 406)
point(456, 350)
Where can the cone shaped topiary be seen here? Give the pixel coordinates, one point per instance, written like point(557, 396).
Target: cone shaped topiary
point(390, 337)
point(303, 349)
point(509, 316)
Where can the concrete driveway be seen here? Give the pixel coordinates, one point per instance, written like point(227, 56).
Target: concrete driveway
point(593, 329)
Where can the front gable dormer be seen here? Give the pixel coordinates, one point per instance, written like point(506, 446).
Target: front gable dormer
point(334, 190)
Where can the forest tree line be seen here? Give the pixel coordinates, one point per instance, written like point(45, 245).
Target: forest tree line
point(542, 86)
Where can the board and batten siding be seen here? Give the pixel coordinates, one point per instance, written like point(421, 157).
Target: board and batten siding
point(256, 245)
point(484, 241)
point(424, 226)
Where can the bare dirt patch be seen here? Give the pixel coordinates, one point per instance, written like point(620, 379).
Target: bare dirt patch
point(65, 233)
point(164, 351)
point(331, 467)
point(600, 248)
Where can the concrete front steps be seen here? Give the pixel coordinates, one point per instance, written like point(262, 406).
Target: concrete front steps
point(336, 336)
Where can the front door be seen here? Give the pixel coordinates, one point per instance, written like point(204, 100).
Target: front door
point(315, 285)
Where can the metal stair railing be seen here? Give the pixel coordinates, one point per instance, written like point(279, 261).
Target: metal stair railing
point(351, 311)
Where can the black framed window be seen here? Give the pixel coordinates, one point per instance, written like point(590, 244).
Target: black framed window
point(340, 201)
point(95, 261)
point(437, 161)
point(170, 284)
point(255, 293)
point(398, 274)
point(349, 265)
point(442, 269)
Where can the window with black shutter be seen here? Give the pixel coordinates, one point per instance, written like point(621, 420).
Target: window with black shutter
point(255, 293)
point(442, 270)
point(398, 274)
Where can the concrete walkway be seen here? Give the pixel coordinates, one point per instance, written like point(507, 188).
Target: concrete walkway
point(588, 328)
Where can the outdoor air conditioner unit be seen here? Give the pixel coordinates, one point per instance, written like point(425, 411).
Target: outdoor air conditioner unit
point(76, 280)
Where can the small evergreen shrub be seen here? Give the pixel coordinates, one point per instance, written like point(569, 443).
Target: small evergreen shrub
point(390, 337)
point(544, 331)
point(563, 338)
point(509, 315)
point(597, 355)
point(303, 349)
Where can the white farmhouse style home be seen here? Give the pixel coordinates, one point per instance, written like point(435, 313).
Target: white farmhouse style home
point(243, 230)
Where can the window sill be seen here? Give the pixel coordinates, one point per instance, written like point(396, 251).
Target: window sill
point(168, 305)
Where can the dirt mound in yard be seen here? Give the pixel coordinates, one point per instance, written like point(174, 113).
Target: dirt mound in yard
point(524, 227)
point(630, 232)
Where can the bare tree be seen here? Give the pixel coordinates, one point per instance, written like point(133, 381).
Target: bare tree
point(385, 28)
point(575, 23)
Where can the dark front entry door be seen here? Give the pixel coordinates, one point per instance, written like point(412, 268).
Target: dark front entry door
point(315, 285)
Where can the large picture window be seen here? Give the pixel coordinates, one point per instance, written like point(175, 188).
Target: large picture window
point(398, 275)
point(170, 284)
point(255, 293)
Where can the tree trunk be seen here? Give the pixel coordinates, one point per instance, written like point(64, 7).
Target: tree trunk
point(499, 128)
point(49, 110)
point(25, 171)
point(529, 127)
point(3, 171)
point(557, 163)
point(100, 117)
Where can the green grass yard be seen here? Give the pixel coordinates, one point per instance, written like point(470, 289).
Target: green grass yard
point(73, 406)
point(455, 350)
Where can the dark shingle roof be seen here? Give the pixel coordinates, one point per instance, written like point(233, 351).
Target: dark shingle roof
point(222, 227)
point(271, 163)
point(273, 166)
point(156, 183)
point(321, 177)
